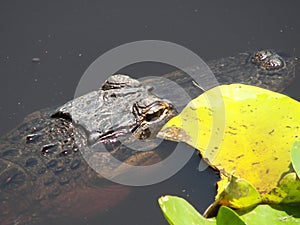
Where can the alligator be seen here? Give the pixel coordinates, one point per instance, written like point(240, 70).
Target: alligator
point(42, 170)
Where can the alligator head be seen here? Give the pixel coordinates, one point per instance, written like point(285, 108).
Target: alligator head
point(122, 109)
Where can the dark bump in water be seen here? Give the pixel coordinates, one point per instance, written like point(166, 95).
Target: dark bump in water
point(3, 165)
point(49, 149)
point(64, 180)
point(31, 162)
point(75, 164)
point(52, 163)
point(59, 170)
point(10, 152)
point(67, 160)
point(55, 193)
point(65, 152)
point(76, 175)
point(15, 138)
point(31, 138)
point(13, 178)
point(24, 127)
point(42, 170)
point(49, 181)
point(37, 125)
point(75, 148)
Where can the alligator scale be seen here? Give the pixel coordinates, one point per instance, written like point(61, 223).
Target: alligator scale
point(42, 171)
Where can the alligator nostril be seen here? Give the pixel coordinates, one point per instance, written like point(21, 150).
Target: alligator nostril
point(274, 62)
point(260, 56)
point(268, 60)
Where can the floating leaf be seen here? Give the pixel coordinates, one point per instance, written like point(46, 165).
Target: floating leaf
point(178, 211)
point(228, 216)
point(266, 214)
point(235, 193)
point(295, 154)
point(288, 190)
point(241, 128)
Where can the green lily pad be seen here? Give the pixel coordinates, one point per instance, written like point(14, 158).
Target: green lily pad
point(178, 211)
point(266, 214)
point(238, 193)
point(295, 154)
point(228, 216)
point(235, 193)
point(288, 191)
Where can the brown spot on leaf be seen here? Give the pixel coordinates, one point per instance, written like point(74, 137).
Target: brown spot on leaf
point(239, 156)
point(245, 126)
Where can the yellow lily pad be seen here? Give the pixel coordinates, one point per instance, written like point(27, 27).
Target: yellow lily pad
point(242, 129)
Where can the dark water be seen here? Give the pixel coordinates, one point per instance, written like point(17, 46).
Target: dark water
point(68, 36)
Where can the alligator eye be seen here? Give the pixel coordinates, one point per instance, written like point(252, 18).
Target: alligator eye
point(154, 116)
point(274, 62)
point(261, 56)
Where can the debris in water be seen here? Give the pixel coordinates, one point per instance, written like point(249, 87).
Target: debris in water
point(35, 59)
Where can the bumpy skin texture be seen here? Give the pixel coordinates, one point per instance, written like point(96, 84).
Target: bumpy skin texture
point(247, 68)
point(42, 171)
point(46, 174)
